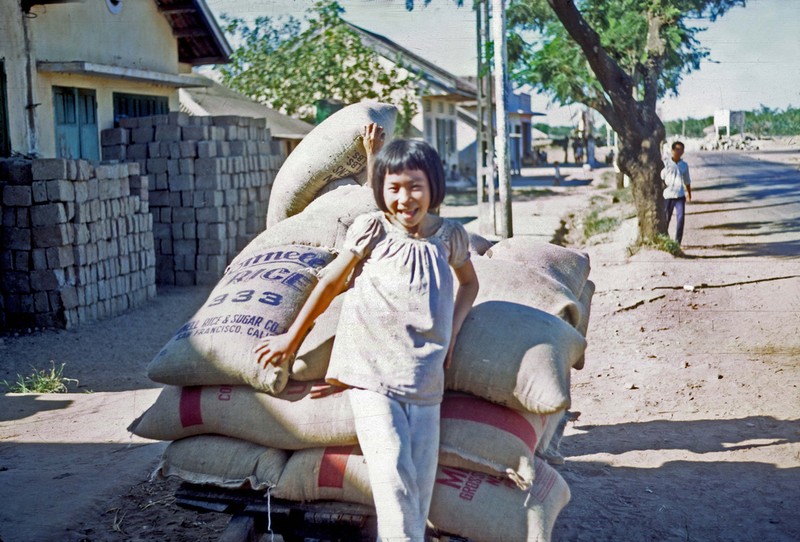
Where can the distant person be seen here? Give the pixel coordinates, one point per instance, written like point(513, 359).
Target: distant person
point(678, 190)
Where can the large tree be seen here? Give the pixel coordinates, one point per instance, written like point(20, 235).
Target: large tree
point(617, 57)
point(291, 65)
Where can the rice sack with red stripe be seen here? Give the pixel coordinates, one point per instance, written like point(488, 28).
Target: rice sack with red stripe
point(259, 295)
point(485, 437)
point(471, 504)
point(222, 462)
point(475, 434)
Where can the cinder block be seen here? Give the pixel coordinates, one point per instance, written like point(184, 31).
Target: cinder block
point(59, 257)
point(52, 236)
point(184, 278)
point(142, 135)
point(115, 152)
point(136, 152)
point(60, 190)
point(156, 165)
point(22, 260)
point(17, 195)
point(48, 214)
point(85, 170)
point(178, 118)
point(17, 238)
point(114, 136)
point(206, 149)
point(168, 132)
point(45, 169)
point(17, 282)
point(47, 280)
point(16, 171)
point(181, 182)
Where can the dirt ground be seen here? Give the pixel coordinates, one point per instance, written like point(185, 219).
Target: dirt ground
point(690, 408)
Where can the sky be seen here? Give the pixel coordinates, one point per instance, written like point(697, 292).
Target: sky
point(755, 50)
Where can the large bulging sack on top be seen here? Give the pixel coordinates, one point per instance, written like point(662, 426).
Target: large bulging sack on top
point(222, 462)
point(474, 505)
point(503, 280)
point(516, 356)
point(260, 294)
point(568, 266)
point(332, 150)
point(324, 222)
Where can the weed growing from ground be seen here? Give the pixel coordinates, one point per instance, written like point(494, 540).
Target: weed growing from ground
point(41, 381)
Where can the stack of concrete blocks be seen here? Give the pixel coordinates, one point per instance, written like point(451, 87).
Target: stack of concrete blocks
point(210, 182)
point(77, 241)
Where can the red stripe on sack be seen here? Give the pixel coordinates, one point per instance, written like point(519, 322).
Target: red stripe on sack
point(190, 406)
point(544, 480)
point(472, 409)
point(333, 466)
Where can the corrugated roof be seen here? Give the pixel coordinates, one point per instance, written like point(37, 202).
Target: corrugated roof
point(200, 39)
point(219, 100)
point(431, 73)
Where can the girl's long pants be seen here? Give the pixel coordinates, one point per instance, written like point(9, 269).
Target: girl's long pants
point(400, 443)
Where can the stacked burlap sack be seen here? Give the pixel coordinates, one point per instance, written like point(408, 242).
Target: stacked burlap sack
point(237, 424)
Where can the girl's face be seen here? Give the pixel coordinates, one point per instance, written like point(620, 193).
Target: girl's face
point(408, 197)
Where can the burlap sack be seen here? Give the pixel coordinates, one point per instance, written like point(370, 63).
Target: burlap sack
point(485, 437)
point(568, 266)
point(260, 294)
point(474, 433)
point(474, 505)
point(478, 245)
point(516, 356)
point(222, 462)
point(515, 282)
point(585, 300)
point(288, 421)
point(484, 508)
point(311, 362)
point(332, 150)
point(324, 222)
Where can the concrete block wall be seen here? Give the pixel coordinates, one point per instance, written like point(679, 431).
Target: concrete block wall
point(210, 179)
point(77, 242)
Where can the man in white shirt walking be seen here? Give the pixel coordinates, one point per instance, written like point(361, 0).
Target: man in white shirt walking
point(679, 188)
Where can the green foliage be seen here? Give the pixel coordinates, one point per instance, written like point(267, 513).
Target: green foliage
point(688, 127)
point(551, 60)
point(293, 65)
point(763, 122)
point(41, 381)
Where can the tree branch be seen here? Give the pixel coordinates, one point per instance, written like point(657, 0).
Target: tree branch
point(617, 84)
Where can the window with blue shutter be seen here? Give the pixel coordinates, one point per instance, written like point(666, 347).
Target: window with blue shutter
point(76, 123)
point(138, 105)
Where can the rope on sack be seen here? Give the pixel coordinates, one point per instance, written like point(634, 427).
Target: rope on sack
point(269, 515)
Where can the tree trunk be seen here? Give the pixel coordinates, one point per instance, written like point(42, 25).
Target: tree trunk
point(640, 159)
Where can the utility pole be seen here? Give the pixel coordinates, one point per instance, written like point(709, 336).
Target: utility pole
point(484, 141)
point(504, 229)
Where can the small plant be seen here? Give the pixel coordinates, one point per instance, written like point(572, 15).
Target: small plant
point(663, 243)
point(41, 381)
point(594, 224)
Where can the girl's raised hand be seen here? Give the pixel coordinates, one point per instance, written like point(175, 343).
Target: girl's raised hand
point(274, 350)
point(373, 138)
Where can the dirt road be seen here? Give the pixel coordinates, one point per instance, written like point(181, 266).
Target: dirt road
point(690, 403)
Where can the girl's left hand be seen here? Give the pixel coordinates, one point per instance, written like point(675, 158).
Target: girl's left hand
point(373, 138)
point(274, 350)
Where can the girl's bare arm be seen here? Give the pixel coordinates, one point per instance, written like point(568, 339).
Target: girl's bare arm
point(465, 296)
point(280, 348)
point(373, 142)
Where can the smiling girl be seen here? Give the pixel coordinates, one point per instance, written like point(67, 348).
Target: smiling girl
point(397, 328)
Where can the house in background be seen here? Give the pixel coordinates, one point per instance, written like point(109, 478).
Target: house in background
point(439, 93)
point(217, 99)
point(69, 69)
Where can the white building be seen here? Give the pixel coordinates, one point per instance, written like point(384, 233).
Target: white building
point(69, 69)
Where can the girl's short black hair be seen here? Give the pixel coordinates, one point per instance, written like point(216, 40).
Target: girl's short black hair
point(405, 154)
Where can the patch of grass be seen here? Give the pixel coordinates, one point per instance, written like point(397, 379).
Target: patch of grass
point(622, 195)
point(41, 381)
point(594, 224)
point(665, 244)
